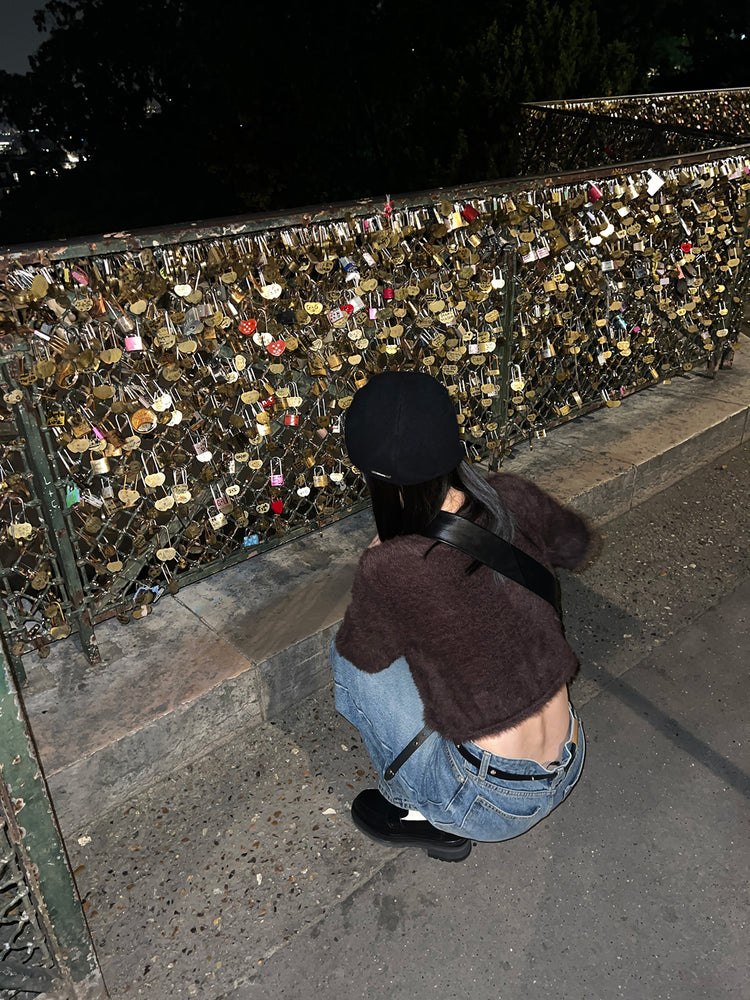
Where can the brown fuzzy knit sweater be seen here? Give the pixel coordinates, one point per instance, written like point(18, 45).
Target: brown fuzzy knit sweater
point(484, 655)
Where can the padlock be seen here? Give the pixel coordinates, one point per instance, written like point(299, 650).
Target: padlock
point(517, 382)
point(320, 479)
point(277, 477)
point(143, 421)
point(100, 466)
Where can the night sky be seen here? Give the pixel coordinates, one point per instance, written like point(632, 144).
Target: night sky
point(18, 34)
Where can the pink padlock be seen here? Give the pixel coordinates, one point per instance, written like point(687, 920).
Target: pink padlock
point(277, 476)
point(133, 343)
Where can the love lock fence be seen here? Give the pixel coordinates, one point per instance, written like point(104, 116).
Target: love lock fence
point(174, 402)
point(573, 134)
point(173, 409)
point(626, 280)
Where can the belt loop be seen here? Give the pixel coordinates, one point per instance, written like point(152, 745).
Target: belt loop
point(484, 764)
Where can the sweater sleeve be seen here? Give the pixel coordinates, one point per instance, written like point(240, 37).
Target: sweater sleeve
point(566, 536)
point(369, 635)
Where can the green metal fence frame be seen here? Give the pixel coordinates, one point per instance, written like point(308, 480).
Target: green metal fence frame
point(29, 818)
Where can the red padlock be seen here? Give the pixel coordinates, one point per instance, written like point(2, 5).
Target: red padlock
point(291, 419)
point(277, 506)
point(686, 247)
point(276, 348)
point(247, 326)
point(268, 403)
point(469, 213)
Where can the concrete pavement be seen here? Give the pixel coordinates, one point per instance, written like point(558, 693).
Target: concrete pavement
point(637, 890)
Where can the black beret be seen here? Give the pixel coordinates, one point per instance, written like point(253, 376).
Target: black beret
point(401, 427)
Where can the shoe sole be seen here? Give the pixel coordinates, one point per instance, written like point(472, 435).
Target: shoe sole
point(437, 851)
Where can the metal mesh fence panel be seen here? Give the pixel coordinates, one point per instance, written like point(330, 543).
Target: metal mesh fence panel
point(570, 135)
point(184, 398)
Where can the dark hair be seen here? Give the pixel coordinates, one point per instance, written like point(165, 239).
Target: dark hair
point(406, 510)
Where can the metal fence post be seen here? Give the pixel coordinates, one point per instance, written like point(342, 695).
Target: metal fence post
point(47, 945)
point(500, 408)
point(736, 303)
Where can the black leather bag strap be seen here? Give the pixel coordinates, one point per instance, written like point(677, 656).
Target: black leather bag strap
point(390, 772)
point(485, 547)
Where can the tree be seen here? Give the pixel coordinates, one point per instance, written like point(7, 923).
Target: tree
point(184, 111)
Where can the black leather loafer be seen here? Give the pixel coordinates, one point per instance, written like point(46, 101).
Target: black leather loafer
point(383, 822)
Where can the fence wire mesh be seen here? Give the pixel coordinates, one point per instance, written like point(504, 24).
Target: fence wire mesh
point(624, 281)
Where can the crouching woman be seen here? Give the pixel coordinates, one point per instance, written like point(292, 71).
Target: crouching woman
point(451, 660)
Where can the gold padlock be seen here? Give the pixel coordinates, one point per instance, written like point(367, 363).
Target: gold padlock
point(100, 466)
point(517, 382)
point(143, 421)
point(320, 478)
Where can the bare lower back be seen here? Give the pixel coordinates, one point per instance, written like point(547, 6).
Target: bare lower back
point(540, 738)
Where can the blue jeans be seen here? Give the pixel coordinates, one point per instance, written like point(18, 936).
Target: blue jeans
point(450, 792)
